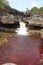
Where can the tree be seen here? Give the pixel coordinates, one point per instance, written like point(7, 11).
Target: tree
point(4, 4)
point(27, 10)
point(41, 9)
point(34, 9)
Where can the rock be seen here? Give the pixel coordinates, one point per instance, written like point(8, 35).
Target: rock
point(9, 64)
point(41, 33)
point(7, 19)
point(15, 12)
point(36, 21)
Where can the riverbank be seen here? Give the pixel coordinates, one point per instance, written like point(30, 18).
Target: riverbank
point(9, 21)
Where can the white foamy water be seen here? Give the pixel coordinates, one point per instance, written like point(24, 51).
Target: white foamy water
point(22, 30)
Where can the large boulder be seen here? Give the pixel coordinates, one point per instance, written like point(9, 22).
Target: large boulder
point(36, 21)
point(7, 19)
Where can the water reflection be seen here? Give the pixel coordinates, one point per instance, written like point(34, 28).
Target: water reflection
point(41, 52)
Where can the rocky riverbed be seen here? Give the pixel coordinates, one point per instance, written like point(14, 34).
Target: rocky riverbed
point(21, 49)
point(9, 21)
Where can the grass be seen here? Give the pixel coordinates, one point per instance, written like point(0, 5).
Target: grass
point(3, 37)
point(3, 41)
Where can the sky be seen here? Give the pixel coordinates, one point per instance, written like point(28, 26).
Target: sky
point(23, 4)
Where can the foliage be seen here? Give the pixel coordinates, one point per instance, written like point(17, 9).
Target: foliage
point(4, 4)
point(41, 9)
point(35, 9)
point(27, 10)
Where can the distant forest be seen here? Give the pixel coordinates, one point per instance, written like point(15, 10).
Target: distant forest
point(35, 9)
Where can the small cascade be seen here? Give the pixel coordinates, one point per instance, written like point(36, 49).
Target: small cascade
point(22, 30)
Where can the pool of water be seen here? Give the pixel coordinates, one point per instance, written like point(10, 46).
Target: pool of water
point(20, 49)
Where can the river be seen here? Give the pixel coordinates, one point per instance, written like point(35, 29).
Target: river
point(21, 48)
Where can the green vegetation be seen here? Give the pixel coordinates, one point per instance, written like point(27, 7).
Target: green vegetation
point(4, 4)
point(35, 9)
point(41, 9)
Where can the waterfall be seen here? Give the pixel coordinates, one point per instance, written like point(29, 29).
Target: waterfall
point(22, 30)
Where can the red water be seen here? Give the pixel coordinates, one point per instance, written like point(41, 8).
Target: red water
point(22, 50)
